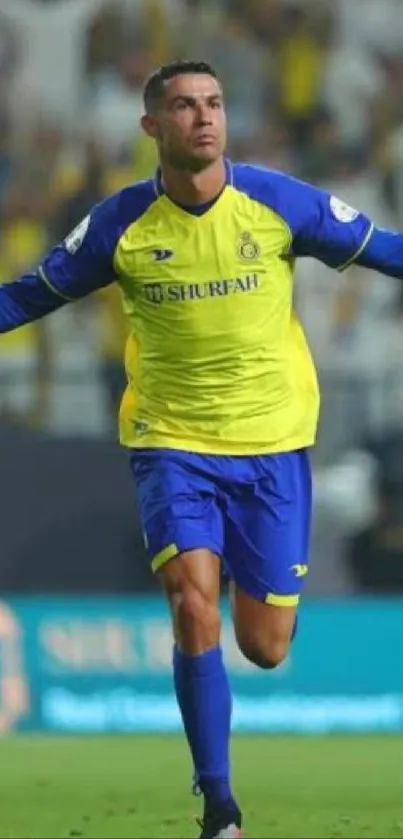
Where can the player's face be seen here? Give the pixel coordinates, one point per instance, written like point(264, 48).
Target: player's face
point(190, 125)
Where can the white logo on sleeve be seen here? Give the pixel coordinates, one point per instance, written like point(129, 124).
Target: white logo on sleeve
point(75, 239)
point(341, 211)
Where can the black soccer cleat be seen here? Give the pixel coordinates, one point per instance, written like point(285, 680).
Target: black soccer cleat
point(223, 822)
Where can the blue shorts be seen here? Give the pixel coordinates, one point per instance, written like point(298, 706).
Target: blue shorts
point(253, 512)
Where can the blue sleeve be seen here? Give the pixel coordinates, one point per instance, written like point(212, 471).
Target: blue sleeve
point(323, 226)
point(383, 252)
point(71, 270)
point(84, 261)
point(25, 300)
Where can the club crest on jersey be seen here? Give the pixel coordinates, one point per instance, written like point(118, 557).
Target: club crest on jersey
point(75, 239)
point(248, 247)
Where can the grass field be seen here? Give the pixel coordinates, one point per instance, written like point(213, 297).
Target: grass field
point(139, 786)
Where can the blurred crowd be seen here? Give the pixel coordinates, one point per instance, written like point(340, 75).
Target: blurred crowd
point(312, 87)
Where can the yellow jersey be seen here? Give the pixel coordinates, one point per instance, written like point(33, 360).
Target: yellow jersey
point(217, 360)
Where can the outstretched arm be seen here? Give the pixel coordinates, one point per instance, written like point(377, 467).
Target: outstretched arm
point(26, 300)
point(324, 227)
point(73, 269)
point(384, 253)
point(341, 236)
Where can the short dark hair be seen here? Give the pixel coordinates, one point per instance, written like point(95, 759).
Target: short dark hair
point(154, 86)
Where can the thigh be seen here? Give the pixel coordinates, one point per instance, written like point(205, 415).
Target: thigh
point(268, 529)
point(178, 505)
point(263, 631)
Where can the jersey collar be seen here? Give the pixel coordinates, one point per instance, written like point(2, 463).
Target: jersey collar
point(229, 177)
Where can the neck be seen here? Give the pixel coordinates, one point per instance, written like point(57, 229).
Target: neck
point(185, 187)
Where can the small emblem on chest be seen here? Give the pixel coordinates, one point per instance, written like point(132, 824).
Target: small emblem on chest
point(161, 254)
point(248, 248)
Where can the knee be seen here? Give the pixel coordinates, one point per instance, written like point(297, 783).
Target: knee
point(196, 619)
point(264, 654)
point(193, 607)
point(191, 582)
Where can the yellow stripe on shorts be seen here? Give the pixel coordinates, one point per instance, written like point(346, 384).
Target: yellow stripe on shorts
point(164, 556)
point(282, 599)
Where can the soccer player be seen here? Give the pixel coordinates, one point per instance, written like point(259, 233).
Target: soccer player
point(222, 401)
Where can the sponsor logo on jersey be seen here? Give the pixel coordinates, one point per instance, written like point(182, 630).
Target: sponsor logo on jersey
point(183, 292)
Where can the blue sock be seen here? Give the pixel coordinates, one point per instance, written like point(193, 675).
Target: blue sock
point(204, 698)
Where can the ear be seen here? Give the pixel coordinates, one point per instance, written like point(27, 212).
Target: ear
point(149, 125)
